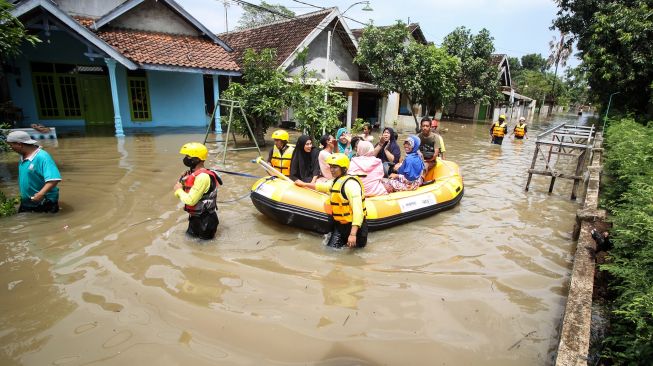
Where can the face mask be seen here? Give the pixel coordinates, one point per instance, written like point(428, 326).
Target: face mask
point(191, 162)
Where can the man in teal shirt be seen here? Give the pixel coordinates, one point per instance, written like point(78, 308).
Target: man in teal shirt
point(38, 175)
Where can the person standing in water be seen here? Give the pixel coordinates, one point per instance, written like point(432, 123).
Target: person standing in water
point(38, 175)
point(520, 129)
point(498, 130)
point(198, 190)
point(347, 201)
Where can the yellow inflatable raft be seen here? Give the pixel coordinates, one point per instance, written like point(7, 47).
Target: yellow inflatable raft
point(283, 201)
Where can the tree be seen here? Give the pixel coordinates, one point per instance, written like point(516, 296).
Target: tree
point(263, 14)
point(576, 82)
point(534, 61)
point(316, 105)
point(397, 63)
point(560, 52)
point(614, 41)
point(263, 93)
point(478, 80)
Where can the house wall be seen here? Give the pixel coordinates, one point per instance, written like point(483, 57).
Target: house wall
point(341, 65)
point(177, 99)
point(59, 47)
point(154, 16)
point(90, 8)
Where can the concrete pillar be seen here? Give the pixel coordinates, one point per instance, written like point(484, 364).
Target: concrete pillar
point(350, 106)
point(216, 102)
point(382, 114)
point(117, 120)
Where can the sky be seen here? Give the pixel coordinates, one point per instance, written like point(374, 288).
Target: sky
point(519, 27)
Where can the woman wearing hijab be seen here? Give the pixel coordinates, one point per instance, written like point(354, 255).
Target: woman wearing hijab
point(369, 168)
point(303, 164)
point(344, 142)
point(387, 149)
point(409, 172)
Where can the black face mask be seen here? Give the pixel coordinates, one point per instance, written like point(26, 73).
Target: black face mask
point(191, 162)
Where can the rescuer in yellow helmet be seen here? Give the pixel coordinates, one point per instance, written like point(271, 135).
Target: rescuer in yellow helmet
point(498, 130)
point(520, 129)
point(281, 153)
point(347, 204)
point(197, 188)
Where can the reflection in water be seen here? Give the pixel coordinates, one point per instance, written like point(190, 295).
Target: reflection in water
point(113, 279)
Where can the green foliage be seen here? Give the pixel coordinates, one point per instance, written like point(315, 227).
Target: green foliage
point(264, 93)
point(357, 126)
point(254, 16)
point(312, 112)
point(534, 62)
point(628, 193)
point(7, 205)
point(614, 40)
point(397, 63)
point(3, 137)
point(12, 32)
point(477, 82)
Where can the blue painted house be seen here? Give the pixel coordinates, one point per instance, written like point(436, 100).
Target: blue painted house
point(125, 63)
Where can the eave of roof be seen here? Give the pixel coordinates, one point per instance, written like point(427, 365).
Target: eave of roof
point(130, 4)
point(63, 17)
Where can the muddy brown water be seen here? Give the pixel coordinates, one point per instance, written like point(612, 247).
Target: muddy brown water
point(113, 280)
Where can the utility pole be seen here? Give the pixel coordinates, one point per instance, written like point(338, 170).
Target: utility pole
point(226, 21)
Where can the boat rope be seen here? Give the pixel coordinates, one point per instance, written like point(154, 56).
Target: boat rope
point(235, 199)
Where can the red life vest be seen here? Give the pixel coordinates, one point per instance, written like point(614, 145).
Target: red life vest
point(208, 201)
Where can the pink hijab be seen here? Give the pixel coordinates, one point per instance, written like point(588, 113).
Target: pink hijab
point(364, 148)
point(367, 164)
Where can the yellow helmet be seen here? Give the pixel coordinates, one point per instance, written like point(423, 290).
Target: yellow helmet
point(195, 150)
point(502, 117)
point(280, 135)
point(338, 159)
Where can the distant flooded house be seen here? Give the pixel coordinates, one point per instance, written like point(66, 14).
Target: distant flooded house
point(512, 104)
point(122, 63)
point(330, 49)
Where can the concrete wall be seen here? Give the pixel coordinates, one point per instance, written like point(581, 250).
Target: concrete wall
point(154, 16)
point(89, 8)
point(177, 100)
point(341, 65)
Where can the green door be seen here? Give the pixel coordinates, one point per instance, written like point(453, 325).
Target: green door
point(96, 95)
point(482, 112)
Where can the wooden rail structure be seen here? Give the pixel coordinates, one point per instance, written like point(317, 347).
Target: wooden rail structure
point(565, 140)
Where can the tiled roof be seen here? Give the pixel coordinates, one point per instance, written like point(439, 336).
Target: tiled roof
point(496, 58)
point(153, 48)
point(284, 35)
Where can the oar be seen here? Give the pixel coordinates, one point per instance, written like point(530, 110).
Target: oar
point(238, 174)
point(270, 168)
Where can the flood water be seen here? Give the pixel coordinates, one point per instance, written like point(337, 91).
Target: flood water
point(113, 279)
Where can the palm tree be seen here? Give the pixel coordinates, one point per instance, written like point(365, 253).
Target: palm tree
point(560, 51)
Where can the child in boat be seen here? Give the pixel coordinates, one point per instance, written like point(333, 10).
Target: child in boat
point(367, 133)
point(368, 168)
point(328, 144)
point(409, 172)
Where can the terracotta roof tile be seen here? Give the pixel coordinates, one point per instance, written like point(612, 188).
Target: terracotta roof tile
point(284, 35)
point(169, 49)
point(165, 49)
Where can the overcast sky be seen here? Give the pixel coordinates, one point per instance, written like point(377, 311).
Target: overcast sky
point(519, 27)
